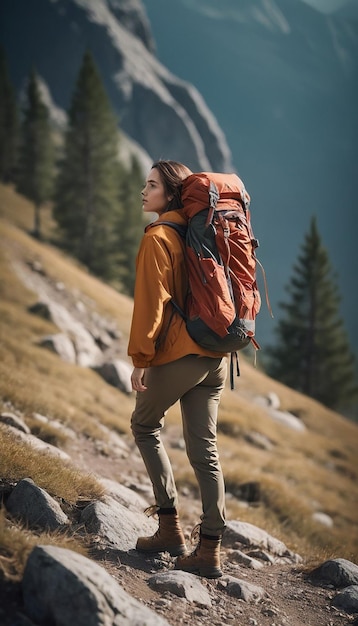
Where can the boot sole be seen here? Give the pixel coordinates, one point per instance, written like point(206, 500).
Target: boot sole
point(204, 572)
point(174, 551)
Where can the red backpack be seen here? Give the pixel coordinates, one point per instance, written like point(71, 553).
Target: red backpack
point(223, 299)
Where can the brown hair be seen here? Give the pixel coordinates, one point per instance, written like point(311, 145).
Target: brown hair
point(172, 173)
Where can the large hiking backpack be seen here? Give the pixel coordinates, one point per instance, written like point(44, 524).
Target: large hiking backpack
point(223, 299)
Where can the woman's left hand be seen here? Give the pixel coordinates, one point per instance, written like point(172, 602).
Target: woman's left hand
point(137, 379)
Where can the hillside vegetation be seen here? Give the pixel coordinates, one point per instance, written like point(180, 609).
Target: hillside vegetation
point(298, 474)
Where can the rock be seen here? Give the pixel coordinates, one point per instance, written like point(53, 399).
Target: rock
point(259, 440)
point(336, 572)
point(240, 557)
point(242, 589)
point(68, 432)
point(88, 353)
point(249, 492)
point(125, 496)
point(347, 599)
point(116, 526)
point(273, 400)
point(10, 419)
point(35, 507)
point(251, 535)
point(271, 403)
point(181, 584)
point(39, 445)
point(65, 588)
point(117, 373)
point(61, 345)
point(323, 518)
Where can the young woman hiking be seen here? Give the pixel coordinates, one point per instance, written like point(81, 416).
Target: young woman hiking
point(169, 366)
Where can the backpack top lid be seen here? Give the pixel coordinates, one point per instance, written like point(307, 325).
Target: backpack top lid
point(196, 187)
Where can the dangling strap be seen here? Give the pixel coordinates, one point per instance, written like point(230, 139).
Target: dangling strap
point(234, 357)
point(265, 283)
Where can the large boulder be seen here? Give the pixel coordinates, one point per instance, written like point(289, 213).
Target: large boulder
point(62, 587)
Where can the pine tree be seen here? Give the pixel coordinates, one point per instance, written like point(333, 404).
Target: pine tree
point(86, 200)
point(36, 156)
point(131, 223)
point(312, 353)
point(8, 124)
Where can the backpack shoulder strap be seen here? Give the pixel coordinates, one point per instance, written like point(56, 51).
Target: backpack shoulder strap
point(180, 228)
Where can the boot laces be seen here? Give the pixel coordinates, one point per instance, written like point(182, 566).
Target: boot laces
point(151, 510)
point(195, 536)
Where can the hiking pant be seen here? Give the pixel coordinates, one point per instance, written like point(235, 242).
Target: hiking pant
point(197, 382)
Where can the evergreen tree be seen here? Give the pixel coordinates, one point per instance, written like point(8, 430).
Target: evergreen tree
point(131, 223)
point(36, 157)
point(312, 353)
point(8, 124)
point(86, 200)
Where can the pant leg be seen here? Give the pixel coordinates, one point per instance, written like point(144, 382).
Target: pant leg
point(165, 385)
point(200, 409)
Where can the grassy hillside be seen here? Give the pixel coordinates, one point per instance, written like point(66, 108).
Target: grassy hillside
point(299, 473)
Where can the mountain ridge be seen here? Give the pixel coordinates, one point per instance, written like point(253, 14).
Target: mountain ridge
point(286, 100)
point(281, 78)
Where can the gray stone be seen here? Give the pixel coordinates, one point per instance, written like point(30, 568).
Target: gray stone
point(116, 525)
point(65, 588)
point(181, 584)
point(241, 589)
point(88, 353)
point(38, 444)
point(347, 599)
point(271, 404)
point(336, 572)
point(35, 507)
point(252, 536)
point(240, 557)
point(117, 373)
point(323, 518)
point(125, 496)
point(61, 345)
point(10, 419)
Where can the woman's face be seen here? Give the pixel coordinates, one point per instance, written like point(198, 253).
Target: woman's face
point(154, 196)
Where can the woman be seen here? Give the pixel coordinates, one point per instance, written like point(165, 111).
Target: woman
point(170, 366)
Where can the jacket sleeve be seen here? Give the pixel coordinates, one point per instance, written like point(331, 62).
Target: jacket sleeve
point(152, 292)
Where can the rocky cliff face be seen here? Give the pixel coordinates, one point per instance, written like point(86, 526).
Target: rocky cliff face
point(282, 79)
point(166, 116)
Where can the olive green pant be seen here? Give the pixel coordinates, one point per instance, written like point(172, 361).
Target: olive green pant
point(197, 382)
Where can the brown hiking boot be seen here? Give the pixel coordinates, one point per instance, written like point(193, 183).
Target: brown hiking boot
point(205, 559)
point(168, 538)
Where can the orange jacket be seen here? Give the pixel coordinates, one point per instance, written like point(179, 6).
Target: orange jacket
point(158, 333)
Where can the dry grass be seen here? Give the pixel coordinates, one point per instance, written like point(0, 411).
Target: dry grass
point(16, 543)
point(20, 460)
point(304, 472)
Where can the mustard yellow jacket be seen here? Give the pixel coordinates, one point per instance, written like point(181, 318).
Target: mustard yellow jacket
point(158, 333)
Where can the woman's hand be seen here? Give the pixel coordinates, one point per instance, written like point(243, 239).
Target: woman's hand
point(137, 379)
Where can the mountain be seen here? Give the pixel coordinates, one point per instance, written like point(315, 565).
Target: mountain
point(264, 87)
point(282, 80)
point(163, 114)
point(330, 6)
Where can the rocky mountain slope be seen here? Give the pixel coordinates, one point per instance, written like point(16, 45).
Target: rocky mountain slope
point(73, 473)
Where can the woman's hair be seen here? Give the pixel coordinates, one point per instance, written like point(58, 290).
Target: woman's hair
point(172, 174)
